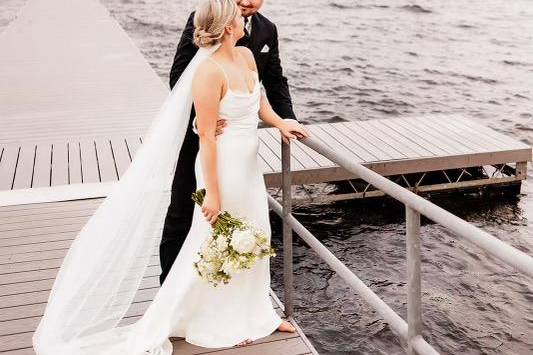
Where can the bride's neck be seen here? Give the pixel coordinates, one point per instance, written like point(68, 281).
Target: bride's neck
point(227, 50)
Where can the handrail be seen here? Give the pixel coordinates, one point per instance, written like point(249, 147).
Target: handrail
point(411, 330)
point(482, 239)
point(395, 321)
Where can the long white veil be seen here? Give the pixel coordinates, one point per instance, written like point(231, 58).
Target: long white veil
point(104, 266)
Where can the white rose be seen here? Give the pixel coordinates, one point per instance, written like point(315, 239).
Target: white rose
point(209, 254)
point(206, 242)
point(221, 243)
point(211, 268)
point(229, 267)
point(243, 241)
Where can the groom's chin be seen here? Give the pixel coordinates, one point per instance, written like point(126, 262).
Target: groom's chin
point(246, 12)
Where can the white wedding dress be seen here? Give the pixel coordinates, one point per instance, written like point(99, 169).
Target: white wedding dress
point(185, 305)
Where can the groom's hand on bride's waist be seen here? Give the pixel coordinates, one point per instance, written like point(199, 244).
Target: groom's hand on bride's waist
point(221, 123)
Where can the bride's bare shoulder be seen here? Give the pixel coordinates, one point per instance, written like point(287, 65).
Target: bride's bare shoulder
point(207, 73)
point(248, 56)
point(245, 50)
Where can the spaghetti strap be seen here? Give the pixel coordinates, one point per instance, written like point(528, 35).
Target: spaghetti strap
point(221, 68)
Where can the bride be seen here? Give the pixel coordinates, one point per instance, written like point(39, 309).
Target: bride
point(97, 288)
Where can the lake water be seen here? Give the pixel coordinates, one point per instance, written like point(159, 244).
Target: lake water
point(361, 60)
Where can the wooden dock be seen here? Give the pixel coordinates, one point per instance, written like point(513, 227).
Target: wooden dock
point(388, 146)
point(86, 167)
point(34, 239)
point(77, 97)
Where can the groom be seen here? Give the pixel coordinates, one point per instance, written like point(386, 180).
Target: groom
point(261, 37)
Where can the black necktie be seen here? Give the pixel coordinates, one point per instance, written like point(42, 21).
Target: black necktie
point(245, 40)
point(246, 19)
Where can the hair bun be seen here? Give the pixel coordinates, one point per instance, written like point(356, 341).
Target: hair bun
point(202, 38)
point(210, 20)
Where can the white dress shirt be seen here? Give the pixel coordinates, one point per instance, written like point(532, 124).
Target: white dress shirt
point(248, 25)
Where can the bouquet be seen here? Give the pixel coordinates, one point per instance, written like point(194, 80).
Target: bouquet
point(233, 247)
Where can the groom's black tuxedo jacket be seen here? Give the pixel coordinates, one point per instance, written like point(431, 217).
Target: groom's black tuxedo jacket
point(269, 67)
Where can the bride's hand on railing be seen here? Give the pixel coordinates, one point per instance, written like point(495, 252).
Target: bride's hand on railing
point(211, 207)
point(291, 129)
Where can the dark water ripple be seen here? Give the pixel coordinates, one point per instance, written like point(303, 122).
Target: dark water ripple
point(386, 59)
point(472, 303)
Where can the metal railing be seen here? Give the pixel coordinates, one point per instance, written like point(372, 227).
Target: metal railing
point(410, 331)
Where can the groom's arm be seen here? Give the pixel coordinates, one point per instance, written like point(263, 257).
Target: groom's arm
point(184, 53)
point(275, 83)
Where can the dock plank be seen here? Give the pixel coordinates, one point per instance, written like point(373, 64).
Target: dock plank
point(510, 141)
point(321, 160)
point(427, 144)
point(33, 239)
point(269, 156)
point(292, 345)
point(89, 163)
point(364, 153)
point(24, 172)
point(473, 141)
point(120, 154)
point(373, 145)
point(265, 168)
point(275, 146)
point(106, 163)
point(447, 140)
point(352, 142)
point(8, 166)
point(408, 147)
point(322, 134)
point(60, 163)
point(133, 143)
point(480, 132)
point(42, 168)
point(299, 154)
point(364, 130)
point(443, 144)
point(74, 163)
point(41, 255)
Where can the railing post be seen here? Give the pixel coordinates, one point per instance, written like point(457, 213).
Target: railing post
point(414, 295)
point(287, 230)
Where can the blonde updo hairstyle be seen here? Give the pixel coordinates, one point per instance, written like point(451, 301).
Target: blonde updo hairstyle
point(211, 18)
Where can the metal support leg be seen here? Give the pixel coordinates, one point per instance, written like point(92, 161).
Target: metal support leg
point(287, 230)
point(414, 309)
point(521, 169)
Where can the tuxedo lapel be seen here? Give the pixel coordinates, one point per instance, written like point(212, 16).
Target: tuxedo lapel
point(255, 37)
point(256, 42)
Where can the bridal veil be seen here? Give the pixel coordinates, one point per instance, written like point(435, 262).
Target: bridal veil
point(105, 264)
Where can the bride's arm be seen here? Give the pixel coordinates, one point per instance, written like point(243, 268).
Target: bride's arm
point(206, 91)
point(288, 128)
